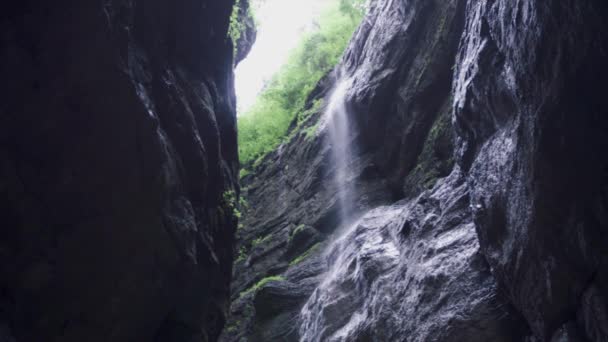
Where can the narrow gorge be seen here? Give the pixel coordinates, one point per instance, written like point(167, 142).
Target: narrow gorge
point(461, 198)
point(448, 181)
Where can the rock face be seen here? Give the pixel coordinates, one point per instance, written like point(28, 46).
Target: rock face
point(118, 159)
point(532, 137)
point(481, 181)
point(248, 33)
point(411, 271)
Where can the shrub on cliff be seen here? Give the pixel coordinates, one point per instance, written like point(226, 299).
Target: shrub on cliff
point(264, 126)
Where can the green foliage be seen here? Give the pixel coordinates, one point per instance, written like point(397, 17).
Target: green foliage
point(311, 131)
point(260, 240)
point(435, 160)
point(258, 161)
point(237, 23)
point(260, 284)
point(229, 199)
point(263, 127)
point(233, 327)
point(243, 203)
point(353, 8)
point(242, 255)
point(304, 255)
point(235, 28)
point(298, 229)
point(243, 173)
point(317, 104)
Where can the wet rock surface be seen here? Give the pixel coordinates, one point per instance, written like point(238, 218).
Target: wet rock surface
point(479, 138)
point(532, 137)
point(117, 170)
point(411, 271)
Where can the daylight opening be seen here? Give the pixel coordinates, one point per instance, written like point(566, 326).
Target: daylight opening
point(298, 42)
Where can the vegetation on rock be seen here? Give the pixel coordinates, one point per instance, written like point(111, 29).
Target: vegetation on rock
point(265, 125)
point(297, 230)
point(260, 240)
point(242, 255)
point(237, 24)
point(260, 284)
point(304, 255)
point(229, 201)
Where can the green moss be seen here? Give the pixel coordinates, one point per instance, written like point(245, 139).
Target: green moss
point(238, 24)
point(316, 107)
point(244, 173)
point(259, 160)
point(243, 203)
point(431, 164)
point(229, 201)
point(233, 326)
point(260, 284)
point(242, 255)
point(229, 198)
point(311, 131)
point(298, 229)
point(261, 240)
point(304, 255)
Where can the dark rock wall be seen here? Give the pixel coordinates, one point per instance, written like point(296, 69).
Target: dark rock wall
point(480, 139)
point(118, 159)
point(533, 137)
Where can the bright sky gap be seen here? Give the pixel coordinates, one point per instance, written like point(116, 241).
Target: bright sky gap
point(280, 25)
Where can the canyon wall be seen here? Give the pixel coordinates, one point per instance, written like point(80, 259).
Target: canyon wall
point(481, 185)
point(479, 172)
point(118, 164)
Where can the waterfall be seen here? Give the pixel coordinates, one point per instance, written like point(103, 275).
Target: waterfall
point(337, 123)
point(314, 319)
point(363, 247)
point(358, 280)
point(336, 120)
point(338, 134)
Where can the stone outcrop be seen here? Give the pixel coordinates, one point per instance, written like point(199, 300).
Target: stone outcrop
point(532, 139)
point(481, 184)
point(248, 33)
point(118, 159)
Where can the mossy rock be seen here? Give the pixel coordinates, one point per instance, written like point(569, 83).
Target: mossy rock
point(301, 239)
point(435, 161)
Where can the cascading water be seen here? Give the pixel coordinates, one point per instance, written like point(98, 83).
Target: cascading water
point(337, 123)
point(338, 129)
point(322, 317)
point(359, 269)
point(390, 273)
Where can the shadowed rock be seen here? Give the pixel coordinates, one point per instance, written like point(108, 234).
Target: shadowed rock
point(118, 159)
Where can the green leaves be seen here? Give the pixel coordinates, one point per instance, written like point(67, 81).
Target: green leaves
point(237, 23)
point(261, 284)
point(265, 125)
point(304, 255)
